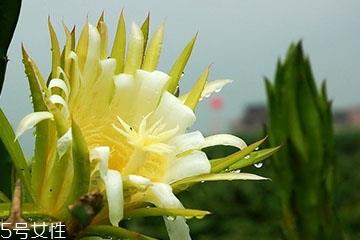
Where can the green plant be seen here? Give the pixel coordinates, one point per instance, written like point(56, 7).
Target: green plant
point(300, 119)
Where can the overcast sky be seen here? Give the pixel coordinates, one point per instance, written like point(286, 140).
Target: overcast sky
point(242, 39)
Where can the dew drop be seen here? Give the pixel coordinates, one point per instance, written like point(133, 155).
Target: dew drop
point(236, 171)
point(247, 156)
point(202, 181)
point(171, 218)
point(257, 148)
point(207, 95)
point(258, 165)
point(226, 170)
point(217, 90)
point(182, 74)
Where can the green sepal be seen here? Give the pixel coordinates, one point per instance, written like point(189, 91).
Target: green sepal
point(119, 45)
point(81, 165)
point(174, 212)
point(55, 50)
point(145, 26)
point(178, 68)
point(253, 158)
point(220, 164)
point(152, 55)
point(229, 176)
point(195, 93)
point(7, 136)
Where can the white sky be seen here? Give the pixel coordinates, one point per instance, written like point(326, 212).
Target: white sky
point(241, 38)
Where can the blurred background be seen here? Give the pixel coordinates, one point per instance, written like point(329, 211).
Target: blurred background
point(242, 40)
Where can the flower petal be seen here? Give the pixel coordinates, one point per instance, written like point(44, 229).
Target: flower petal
point(125, 88)
point(151, 86)
point(63, 143)
point(101, 153)
point(187, 141)
point(115, 197)
point(30, 121)
point(59, 83)
point(193, 164)
point(161, 195)
point(210, 88)
point(173, 113)
point(113, 184)
point(57, 99)
point(224, 139)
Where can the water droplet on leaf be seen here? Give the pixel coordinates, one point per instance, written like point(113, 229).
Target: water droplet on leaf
point(258, 165)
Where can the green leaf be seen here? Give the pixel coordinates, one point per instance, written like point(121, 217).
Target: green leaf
point(115, 232)
point(230, 176)
point(152, 211)
point(6, 168)
point(194, 95)
point(253, 158)
point(220, 164)
point(7, 136)
point(178, 68)
point(9, 14)
point(119, 46)
point(3, 197)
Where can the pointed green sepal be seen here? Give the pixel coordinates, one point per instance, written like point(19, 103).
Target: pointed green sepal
point(119, 45)
point(195, 94)
point(152, 54)
point(179, 66)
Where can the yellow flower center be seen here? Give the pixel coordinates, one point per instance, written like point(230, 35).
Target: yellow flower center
point(135, 150)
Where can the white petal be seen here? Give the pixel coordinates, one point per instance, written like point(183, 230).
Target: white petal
point(113, 184)
point(161, 195)
point(59, 83)
point(177, 229)
point(125, 89)
point(30, 120)
point(151, 86)
point(195, 163)
point(63, 143)
point(173, 113)
point(136, 179)
point(115, 197)
point(187, 141)
point(224, 139)
point(56, 99)
point(101, 153)
point(102, 90)
point(210, 88)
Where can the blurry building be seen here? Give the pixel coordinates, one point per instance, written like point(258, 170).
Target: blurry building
point(255, 116)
